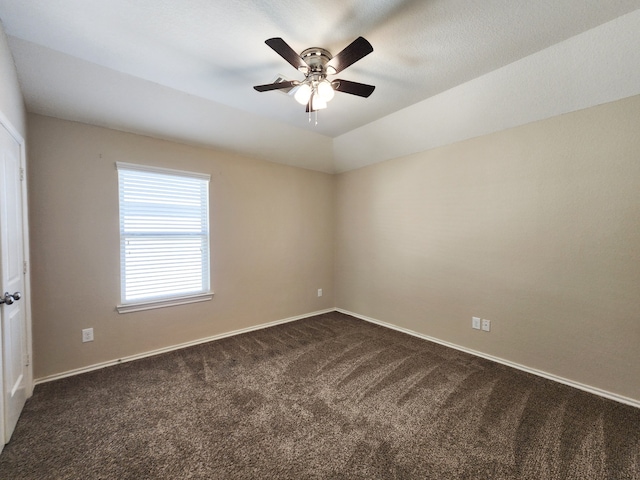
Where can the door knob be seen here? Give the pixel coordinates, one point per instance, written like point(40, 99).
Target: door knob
point(9, 299)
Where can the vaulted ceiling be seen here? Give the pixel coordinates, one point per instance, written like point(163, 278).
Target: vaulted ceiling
point(185, 70)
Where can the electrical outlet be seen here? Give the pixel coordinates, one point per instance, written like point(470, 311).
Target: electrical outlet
point(87, 335)
point(486, 325)
point(319, 292)
point(475, 322)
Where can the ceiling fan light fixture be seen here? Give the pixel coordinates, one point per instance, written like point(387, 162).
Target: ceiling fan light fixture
point(325, 90)
point(303, 94)
point(316, 63)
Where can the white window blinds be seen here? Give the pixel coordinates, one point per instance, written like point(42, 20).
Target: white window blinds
point(164, 233)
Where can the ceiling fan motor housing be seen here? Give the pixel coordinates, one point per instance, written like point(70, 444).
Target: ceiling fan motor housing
point(317, 59)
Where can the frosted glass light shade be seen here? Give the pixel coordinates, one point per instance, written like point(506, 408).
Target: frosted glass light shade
point(317, 103)
point(303, 94)
point(325, 90)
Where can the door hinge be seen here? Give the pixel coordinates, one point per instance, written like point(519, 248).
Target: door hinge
point(27, 360)
point(24, 267)
point(21, 174)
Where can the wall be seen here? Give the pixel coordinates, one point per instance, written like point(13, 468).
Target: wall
point(536, 228)
point(271, 245)
point(11, 103)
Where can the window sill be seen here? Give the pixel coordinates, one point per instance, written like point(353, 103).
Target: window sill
point(162, 303)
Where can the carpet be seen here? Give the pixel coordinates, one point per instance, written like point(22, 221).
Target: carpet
point(327, 397)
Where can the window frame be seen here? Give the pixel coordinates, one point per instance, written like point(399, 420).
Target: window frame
point(162, 301)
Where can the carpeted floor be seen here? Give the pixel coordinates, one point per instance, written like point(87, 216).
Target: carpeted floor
point(329, 397)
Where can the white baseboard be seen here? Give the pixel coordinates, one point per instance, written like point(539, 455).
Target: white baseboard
point(540, 373)
point(171, 348)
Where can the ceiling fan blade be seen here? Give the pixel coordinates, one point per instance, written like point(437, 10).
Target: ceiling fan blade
point(283, 49)
point(276, 86)
point(354, 88)
point(353, 52)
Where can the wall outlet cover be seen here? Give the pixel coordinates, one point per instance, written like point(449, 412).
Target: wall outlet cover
point(87, 335)
point(486, 325)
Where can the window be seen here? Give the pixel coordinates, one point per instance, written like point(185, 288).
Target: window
point(164, 237)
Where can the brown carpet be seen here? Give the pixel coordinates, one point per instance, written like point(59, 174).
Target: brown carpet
point(328, 397)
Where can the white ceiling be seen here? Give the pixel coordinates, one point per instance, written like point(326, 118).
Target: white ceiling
point(184, 70)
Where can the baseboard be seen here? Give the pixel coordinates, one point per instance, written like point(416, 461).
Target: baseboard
point(540, 373)
point(171, 348)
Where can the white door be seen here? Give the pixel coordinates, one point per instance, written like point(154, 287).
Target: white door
point(12, 284)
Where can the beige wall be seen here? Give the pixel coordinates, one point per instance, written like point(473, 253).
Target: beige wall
point(536, 228)
point(271, 244)
point(11, 103)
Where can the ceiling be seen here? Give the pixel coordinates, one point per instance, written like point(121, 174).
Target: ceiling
point(185, 70)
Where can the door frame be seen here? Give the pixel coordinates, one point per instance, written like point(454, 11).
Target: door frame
point(8, 126)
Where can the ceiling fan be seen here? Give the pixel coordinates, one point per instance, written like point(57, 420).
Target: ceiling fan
point(316, 64)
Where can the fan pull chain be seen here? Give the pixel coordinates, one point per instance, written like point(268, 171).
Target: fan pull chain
point(310, 109)
point(315, 118)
